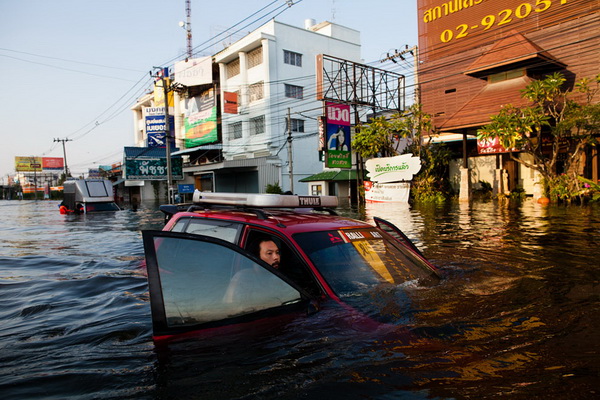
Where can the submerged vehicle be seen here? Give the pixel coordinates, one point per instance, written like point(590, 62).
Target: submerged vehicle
point(204, 272)
point(88, 195)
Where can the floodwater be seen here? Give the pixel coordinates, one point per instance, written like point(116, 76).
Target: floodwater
point(517, 315)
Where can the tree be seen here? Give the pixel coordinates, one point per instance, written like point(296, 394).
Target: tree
point(553, 128)
point(381, 137)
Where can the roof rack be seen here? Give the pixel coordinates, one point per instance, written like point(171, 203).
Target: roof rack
point(264, 200)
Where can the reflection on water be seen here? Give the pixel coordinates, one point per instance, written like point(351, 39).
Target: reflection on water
point(515, 316)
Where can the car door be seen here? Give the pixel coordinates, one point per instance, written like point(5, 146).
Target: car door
point(199, 282)
point(395, 232)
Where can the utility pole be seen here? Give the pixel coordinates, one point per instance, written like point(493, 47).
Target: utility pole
point(290, 159)
point(163, 75)
point(64, 153)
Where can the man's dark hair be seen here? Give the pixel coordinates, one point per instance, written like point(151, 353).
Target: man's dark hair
point(254, 246)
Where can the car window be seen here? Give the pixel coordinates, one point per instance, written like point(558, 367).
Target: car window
point(224, 230)
point(195, 281)
point(291, 264)
point(352, 261)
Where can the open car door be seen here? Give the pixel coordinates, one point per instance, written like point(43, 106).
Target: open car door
point(198, 282)
point(395, 232)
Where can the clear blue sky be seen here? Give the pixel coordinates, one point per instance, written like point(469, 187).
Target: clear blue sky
point(72, 69)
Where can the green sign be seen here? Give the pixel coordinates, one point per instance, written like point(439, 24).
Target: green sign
point(153, 169)
point(338, 159)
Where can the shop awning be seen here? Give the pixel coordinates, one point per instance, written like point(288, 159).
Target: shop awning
point(208, 147)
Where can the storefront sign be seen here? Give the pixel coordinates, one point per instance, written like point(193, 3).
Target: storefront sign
point(393, 169)
point(398, 192)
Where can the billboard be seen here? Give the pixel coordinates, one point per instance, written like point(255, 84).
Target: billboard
point(338, 136)
point(194, 72)
point(28, 164)
point(200, 119)
point(445, 26)
point(53, 163)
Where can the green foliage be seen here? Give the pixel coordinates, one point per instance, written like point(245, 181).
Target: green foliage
point(274, 188)
point(376, 137)
point(517, 194)
point(590, 189)
point(427, 189)
point(381, 137)
point(552, 124)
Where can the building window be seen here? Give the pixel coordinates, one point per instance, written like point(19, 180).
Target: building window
point(255, 57)
point(506, 75)
point(295, 92)
point(257, 125)
point(297, 125)
point(255, 91)
point(233, 68)
point(235, 130)
point(289, 57)
point(316, 190)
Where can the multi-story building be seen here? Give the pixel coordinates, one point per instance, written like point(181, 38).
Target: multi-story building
point(241, 114)
point(477, 55)
point(266, 85)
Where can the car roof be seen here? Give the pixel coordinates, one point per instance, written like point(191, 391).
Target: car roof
point(288, 221)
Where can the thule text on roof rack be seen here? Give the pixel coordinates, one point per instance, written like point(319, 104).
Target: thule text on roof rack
point(265, 200)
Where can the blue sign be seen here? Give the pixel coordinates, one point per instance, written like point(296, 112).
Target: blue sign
point(186, 188)
point(155, 129)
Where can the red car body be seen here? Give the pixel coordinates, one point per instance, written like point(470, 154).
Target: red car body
point(204, 248)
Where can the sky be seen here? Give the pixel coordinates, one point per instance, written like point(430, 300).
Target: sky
point(72, 69)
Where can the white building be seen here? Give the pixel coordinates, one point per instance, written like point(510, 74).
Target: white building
point(272, 70)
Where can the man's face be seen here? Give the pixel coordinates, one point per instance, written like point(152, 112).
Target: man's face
point(269, 253)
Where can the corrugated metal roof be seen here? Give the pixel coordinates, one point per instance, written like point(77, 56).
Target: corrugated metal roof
point(156, 152)
point(343, 175)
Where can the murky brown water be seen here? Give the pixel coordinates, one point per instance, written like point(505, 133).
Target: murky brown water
point(516, 316)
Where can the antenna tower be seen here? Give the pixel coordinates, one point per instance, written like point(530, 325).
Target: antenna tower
point(188, 26)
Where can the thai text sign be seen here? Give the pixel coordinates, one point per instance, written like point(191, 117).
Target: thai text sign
point(467, 21)
point(393, 169)
point(338, 136)
point(155, 130)
point(154, 168)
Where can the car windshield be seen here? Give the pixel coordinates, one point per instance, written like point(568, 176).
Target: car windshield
point(355, 261)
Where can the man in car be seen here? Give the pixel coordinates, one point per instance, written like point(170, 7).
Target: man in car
point(245, 286)
point(268, 251)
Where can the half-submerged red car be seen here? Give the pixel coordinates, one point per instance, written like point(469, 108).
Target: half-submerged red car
point(203, 274)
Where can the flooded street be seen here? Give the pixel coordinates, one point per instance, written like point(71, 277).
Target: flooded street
point(516, 316)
